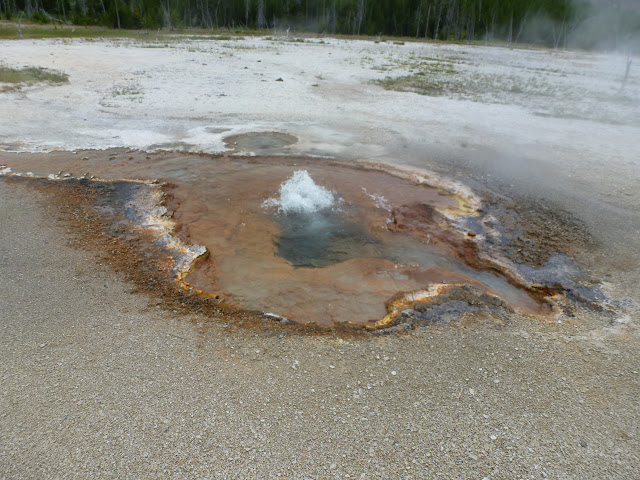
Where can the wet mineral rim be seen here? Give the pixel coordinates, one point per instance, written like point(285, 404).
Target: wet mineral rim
point(194, 230)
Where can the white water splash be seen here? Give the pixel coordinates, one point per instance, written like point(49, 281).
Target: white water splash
point(300, 194)
point(379, 200)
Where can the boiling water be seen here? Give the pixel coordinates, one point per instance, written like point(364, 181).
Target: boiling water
point(303, 238)
point(314, 230)
point(322, 239)
point(300, 195)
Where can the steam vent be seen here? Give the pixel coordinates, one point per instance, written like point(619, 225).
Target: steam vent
point(307, 240)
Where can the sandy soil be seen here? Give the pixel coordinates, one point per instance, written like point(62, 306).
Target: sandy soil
point(99, 381)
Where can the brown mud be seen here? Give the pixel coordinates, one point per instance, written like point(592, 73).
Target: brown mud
point(217, 202)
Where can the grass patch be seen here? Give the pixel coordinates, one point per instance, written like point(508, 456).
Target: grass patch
point(122, 93)
point(537, 94)
point(413, 83)
point(477, 87)
point(18, 77)
point(9, 31)
point(126, 91)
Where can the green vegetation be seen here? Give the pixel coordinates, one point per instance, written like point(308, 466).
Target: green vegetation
point(545, 92)
point(555, 23)
point(9, 30)
point(445, 80)
point(14, 78)
point(30, 30)
point(126, 90)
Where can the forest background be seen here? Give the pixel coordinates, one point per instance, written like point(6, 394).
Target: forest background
point(586, 24)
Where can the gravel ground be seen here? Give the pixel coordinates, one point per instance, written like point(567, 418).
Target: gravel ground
point(100, 382)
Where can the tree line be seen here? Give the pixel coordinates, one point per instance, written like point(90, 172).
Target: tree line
point(548, 22)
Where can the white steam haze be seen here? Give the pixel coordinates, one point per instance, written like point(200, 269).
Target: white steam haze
point(607, 25)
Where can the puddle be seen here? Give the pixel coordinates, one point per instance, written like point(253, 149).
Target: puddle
point(339, 246)
point(323, 239)
point(216, 129)
point(259, 141)
point(341, 263)
point(177, 145)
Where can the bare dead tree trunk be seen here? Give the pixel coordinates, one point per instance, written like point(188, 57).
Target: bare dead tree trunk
point(117, 14)
point(200, 4)
point(451, 20)
point(435, 36)
point(426, 24)
point(418, 14)
point(20, 26)
point(261, 17)
point(493, 23)
point(556, 36)
point(523, 22)
point(206, 14)
point(480, 14)
point(333, 20)
point(166, 10)
point(360, 16)
point(472, 25)
point(64, 13)
point(626, 74)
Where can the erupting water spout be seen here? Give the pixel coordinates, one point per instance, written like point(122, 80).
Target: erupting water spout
point(313, 233)
point(300, 195)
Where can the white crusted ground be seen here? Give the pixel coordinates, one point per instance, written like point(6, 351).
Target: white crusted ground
point(184, 92)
